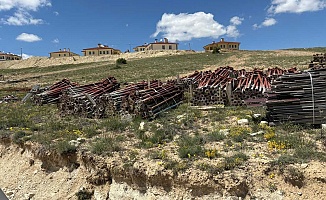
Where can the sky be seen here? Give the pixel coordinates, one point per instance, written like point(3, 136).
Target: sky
point(38, 27)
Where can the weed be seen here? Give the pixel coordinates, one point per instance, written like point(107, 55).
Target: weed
point(190, 146)
point(239, 133)
point(272, 187)
point(18, 137)
point(215, 136)
point(175, 166)
point(115, 124)
point(84, 195)
point(120, 61)
point(64, 147)
point(212, 153)
point(105, 146)
point(235, 160)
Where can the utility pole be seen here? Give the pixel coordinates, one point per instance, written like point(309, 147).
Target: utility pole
point(189, 46)
point(21, 53)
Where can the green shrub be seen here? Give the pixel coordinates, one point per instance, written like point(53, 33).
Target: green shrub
point(120, 61)
point(18, 137)
point(216, 50)
point(105, 146)
point(190, 146)
point(235, 160)
point(115, 124)
point(84, 195)
point(215, 136)
point(64, 147)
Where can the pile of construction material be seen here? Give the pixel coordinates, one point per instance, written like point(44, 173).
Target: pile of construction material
point(232, 87)
point(298, 98)
point(81, 100)
point(48, 95)
point(318, 61)
point(142, 99)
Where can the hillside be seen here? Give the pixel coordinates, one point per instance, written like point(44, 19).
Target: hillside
point(185, 153)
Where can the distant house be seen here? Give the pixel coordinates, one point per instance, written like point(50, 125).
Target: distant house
point(158, 45)
point(222, 45)
point(62, 53)
point(9, 56)
point(100, 50)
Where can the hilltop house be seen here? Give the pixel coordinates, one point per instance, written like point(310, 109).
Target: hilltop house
point(9, 56)
point(62, 53)
point(100, 50)
point(158, 45)
point(222, 45)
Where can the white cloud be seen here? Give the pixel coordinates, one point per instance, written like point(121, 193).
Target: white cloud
point(184, 26)
point(56, 41)
point(21, 18)
point(22, 14)
point(267, 22)
point(26, 56)
point(32, 5)
point(56, 13)
point(296, 6)
point(26, 37)
point(236, 20)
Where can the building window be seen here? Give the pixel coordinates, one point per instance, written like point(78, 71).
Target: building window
point(107, 52)
point(163, 46)
point(93, 52)
point(64, 54)
point(100, 52)
point(103, 52)
point(170, 47)
point(90, 53)
point(59, 55)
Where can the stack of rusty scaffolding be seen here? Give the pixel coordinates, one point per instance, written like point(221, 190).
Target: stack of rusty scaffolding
point(50, 94)
point(232, 87)
point(119, 101)
point(81, 100)
point(318, 61)
point(298, 98)
point(142, 99)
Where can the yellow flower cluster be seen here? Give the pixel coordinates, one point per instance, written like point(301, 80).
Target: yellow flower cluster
point(269, 131)
point(239, 130)
point(211, 153)
point(278, 145)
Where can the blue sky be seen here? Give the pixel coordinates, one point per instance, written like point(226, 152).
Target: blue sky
point(42, 26)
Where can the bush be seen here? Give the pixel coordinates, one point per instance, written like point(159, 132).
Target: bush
point(64, 147)
point(18, 137)
point(190, 146)
point(216, 50)
point(84, 195)
point(235, 160)
point(120, 61)
point(105, 145)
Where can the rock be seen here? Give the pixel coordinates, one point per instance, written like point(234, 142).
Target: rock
point(323, 126)
point(257, 115)
point(243, 122)
point(299, 193)
point(257, 133)
point(31, 162)
point(74, 143)
point(29, 196)
point(224, 131)
point(304, 165)
point(9, 193)
point(280, 192)
point(81, 140)
point(263, 122)
point(141, 126)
